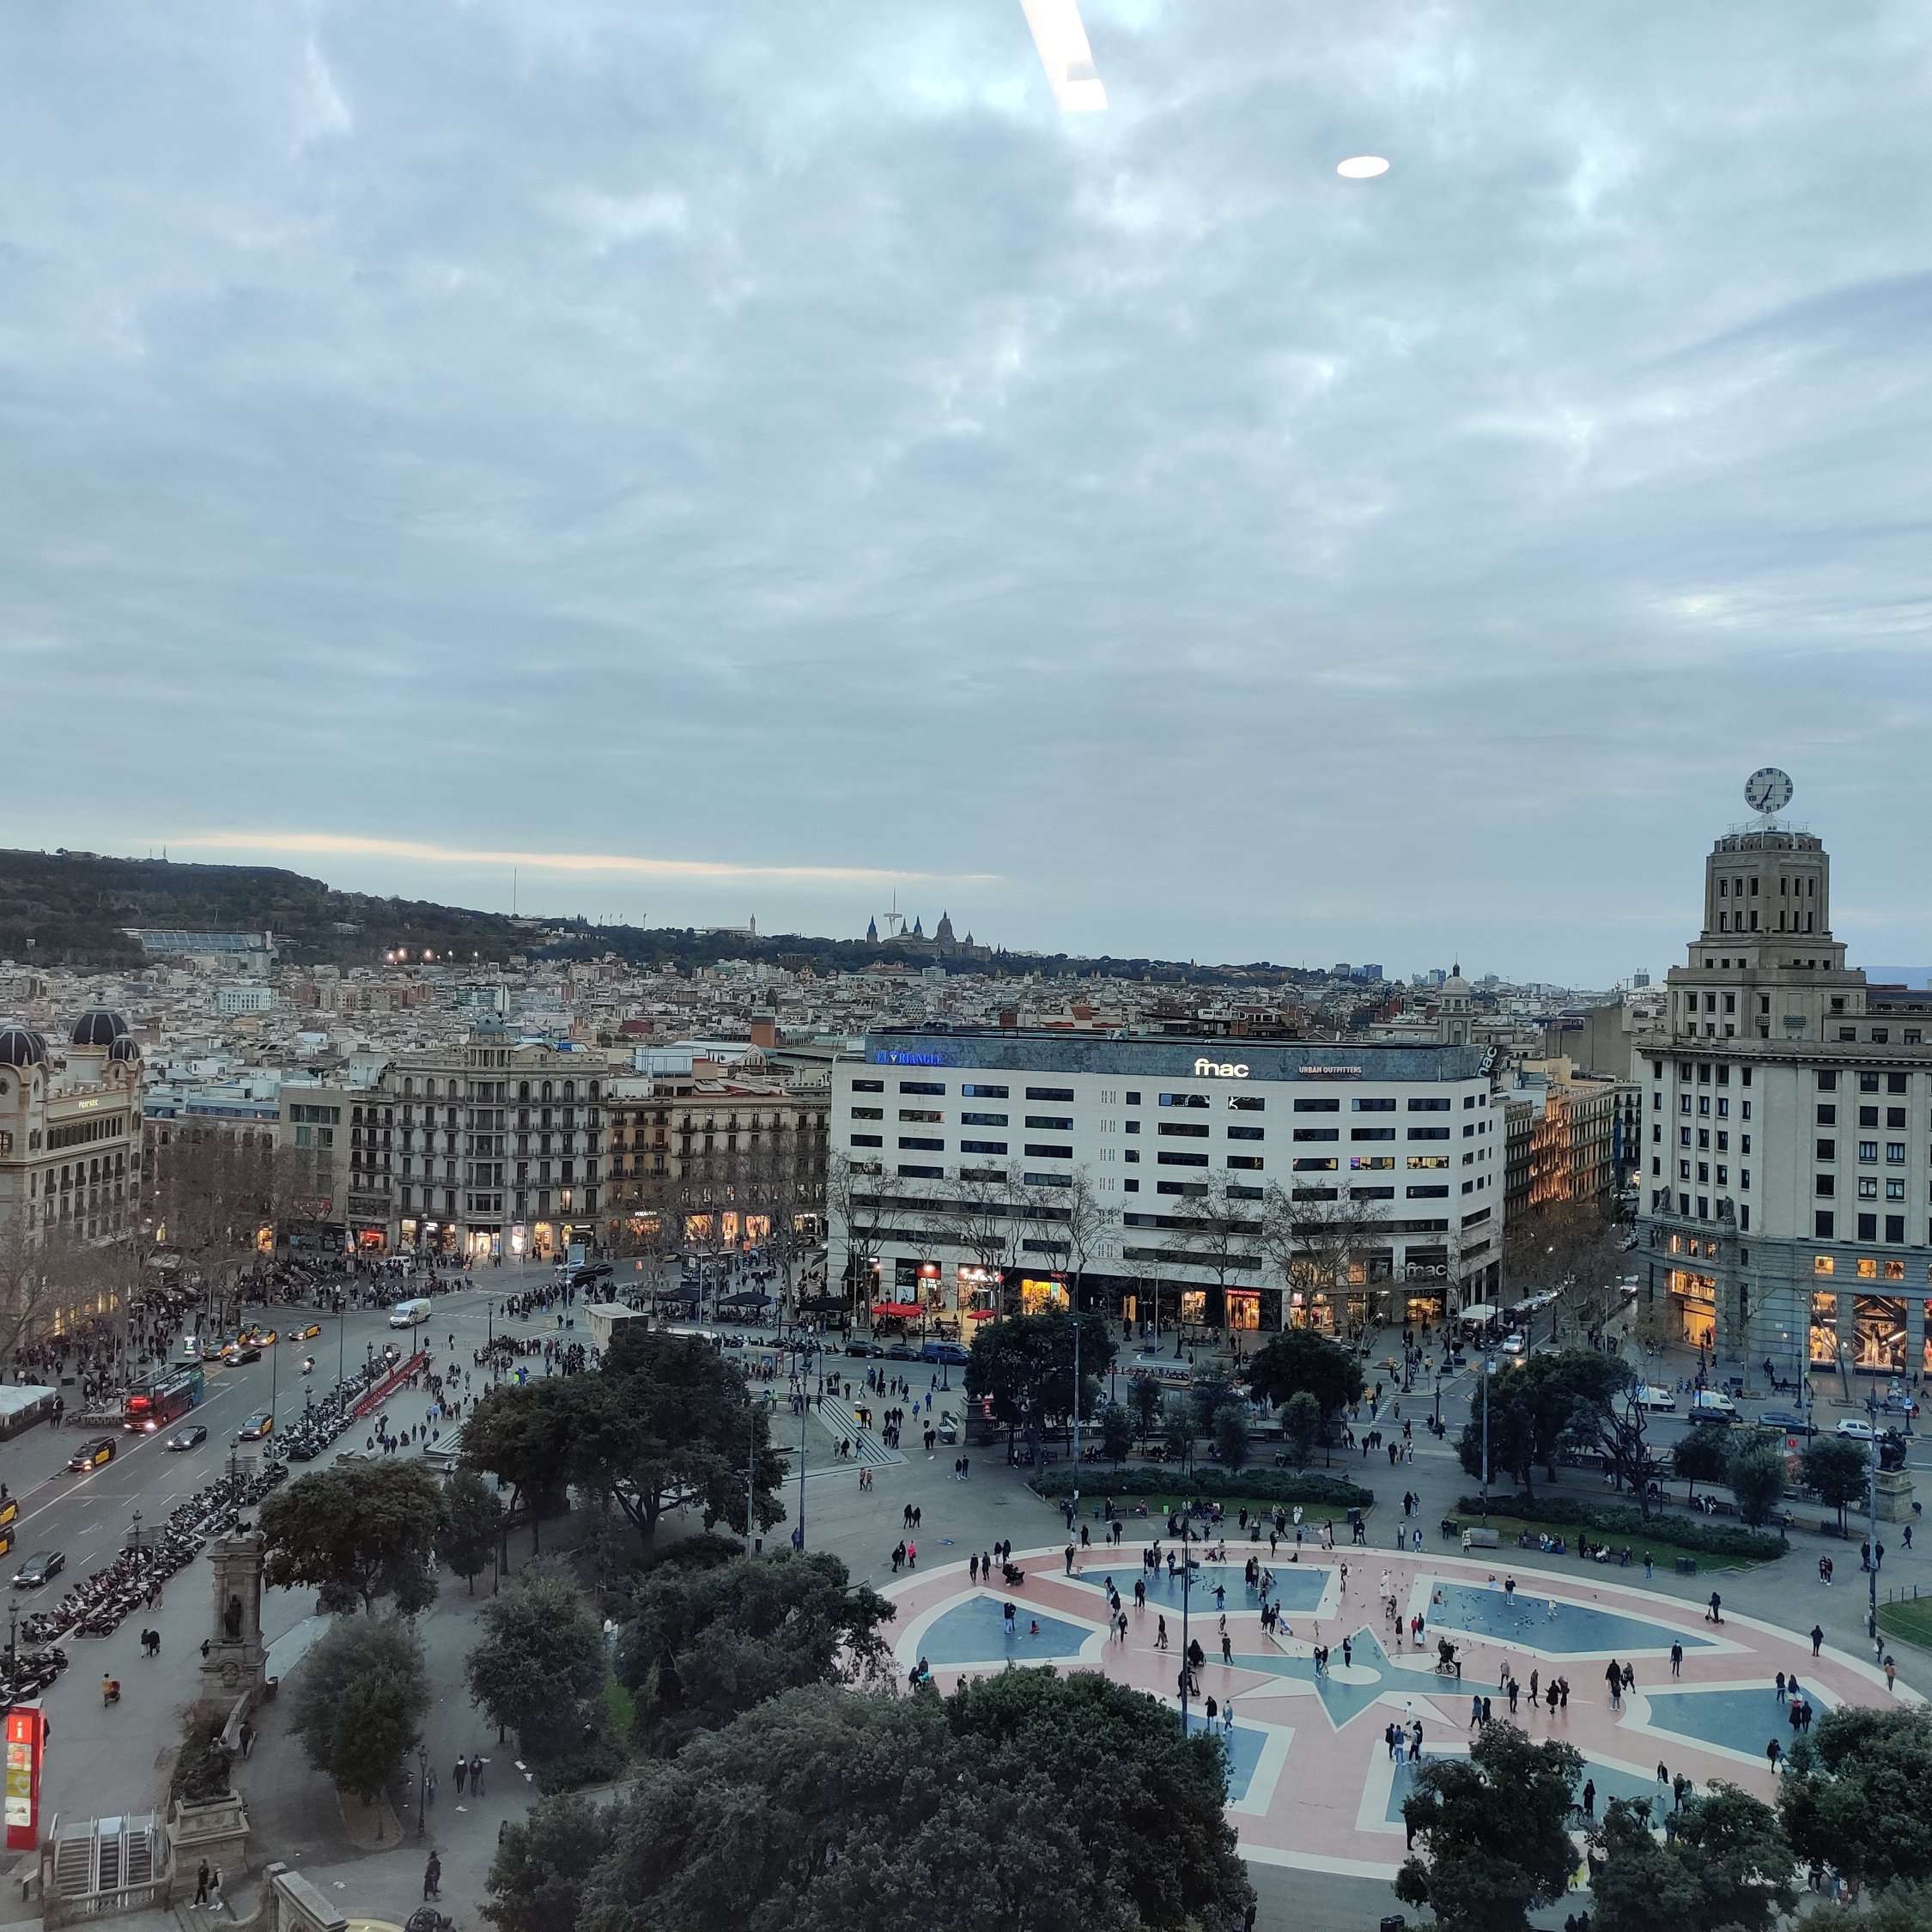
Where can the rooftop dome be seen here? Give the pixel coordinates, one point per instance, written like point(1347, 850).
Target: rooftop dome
point(97, 1028)
point(20, 1046)
point(125, 1048)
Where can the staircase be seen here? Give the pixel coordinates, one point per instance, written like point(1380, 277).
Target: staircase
point(839, 1422)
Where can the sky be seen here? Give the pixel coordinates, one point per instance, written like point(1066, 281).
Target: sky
point(769, 459)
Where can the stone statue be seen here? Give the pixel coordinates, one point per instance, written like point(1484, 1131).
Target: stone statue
point(231, 1620)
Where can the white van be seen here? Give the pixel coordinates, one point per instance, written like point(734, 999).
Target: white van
point(1712, 1405)
point(407, 1315)
point(1648, 1397)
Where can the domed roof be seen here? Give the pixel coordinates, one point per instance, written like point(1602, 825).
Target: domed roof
point(97, 1028)
point(19, 1045)
point(125, 1047)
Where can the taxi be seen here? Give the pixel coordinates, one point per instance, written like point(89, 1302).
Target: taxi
point(308, 1332)
point(258, 1426)
point(93, 1454)
point(261, 1337)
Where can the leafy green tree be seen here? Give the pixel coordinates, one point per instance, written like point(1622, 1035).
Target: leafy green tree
point(541, 1654)
point(1116, 1433)
point(1702, 1456)
point(1755, 1471)
point(1177, 1429)
point(1727, 1865)
point(1231, 1434)
point(357, 1530)
point(706, 1644)
point(1211, 1394)
point(1145, 1397)
point(1300, 1359)
point(537, 1879)
point(473, 1521)
point(1853, 1793)
point(525, 1436)
point(1906, 1907)
point(1494, 1832)
point(1835, 1469)
point(826, 1810)
point(1025, 1365)
point(361, 1697)
point(668, 1420)
point(1512, 1435)
point(1301, 1422)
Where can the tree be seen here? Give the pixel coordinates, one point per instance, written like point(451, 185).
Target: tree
point(537, 1879)
point(1755, 1471)
point(1511, 1432)
point(1702, 1456)
point(1177, 1427)
point(1899, 1908)
point(357, 1530)
point(865, 1217)
point(706, 1644)
point(42, 1269)
point(1116, 1433)
point(526, 1437)
point(1836, 1471)
point(1569, 1246)
point(1852, 1795)
point(1301, 1422)
point(473, 1521)
point(669, 1421)
point(1231, 1435)
point(1299, 1359)
point(991, 1213)
point(824, 1811)
point(1026, 1364)
point(215, 1188)
point(1726, 1865)
point(1224, 1230)
point(361, 1699)
point(1494, 1829)
point(1317, 1240)
point(540, 1656)
point(1145, 1394)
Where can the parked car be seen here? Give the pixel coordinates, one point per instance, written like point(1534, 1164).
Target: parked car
point(901, 1352)
point(1789, 1420)
point(191, 1437)
point(92, 1455)
point(1857, 1431)
point(859, 1346)
point(39, 1569)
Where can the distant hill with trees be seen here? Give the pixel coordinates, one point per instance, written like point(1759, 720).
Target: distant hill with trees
point(73, 909)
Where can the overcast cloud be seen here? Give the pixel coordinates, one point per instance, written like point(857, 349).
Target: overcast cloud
point(773, 440)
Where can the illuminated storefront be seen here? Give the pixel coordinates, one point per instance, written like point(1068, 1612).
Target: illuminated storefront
point(1696, 1296)
point(1040, 1294)
point(1244, 1308)
point(1824, 1327)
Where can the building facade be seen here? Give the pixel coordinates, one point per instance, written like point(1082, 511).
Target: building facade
point(988, 1166)
point(71, 1159)
point(1787, 1142)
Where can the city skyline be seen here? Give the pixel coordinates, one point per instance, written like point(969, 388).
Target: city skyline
point(757, 462)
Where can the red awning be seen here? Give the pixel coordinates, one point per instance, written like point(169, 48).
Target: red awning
point(980, 1314)
point(904, 1310)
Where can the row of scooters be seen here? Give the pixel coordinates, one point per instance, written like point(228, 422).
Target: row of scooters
point(98, 1603)
point(316, 1428)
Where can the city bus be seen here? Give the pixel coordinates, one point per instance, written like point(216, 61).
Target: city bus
point(158, 1403)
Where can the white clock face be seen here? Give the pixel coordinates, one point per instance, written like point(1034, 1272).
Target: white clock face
point(1767, 790)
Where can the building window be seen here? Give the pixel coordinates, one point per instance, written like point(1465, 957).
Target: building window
point(1049, 1093)
point(922, 1086)
point(972, 1093)
point(1823, 1227)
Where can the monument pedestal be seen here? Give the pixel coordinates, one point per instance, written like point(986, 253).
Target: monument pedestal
point(1894, 1496)
point(235, 1658)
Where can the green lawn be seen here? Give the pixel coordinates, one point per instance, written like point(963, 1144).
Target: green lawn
point(1910, 1618)
point(1663, 1552)
point(621, 1707)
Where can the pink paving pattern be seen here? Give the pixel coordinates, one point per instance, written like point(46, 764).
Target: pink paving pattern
point(1313, 1785)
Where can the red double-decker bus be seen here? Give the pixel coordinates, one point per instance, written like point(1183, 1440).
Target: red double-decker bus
point(157, 1404)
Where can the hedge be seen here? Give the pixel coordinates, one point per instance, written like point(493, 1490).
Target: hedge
point(1264, 1485)
point(1687, 1533)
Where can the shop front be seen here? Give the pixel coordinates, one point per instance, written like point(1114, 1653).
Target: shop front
point(1043, 1294)
point(1696, 1296)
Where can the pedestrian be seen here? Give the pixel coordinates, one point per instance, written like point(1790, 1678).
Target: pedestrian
point(247, 1737)
point(1716, 1614)
point(1589, 1798)
point(477, 1765)
point(1891, 1673)
point(1774, 1751)
point(201, 1883)
point(1677, 1660)
point(1817, 1638)
point(433, 1877)
point(462, 1772)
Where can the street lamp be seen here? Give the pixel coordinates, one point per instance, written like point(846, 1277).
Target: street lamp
point(1187, 1596)
point(422, 1787)
point(138, 1539)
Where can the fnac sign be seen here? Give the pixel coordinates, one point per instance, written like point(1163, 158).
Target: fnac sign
point(1220, 1069)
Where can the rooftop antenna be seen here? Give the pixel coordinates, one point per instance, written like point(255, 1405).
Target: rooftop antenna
point(894, 921)
point(512, 892)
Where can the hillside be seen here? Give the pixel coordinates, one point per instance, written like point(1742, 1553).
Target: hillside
point(69, 908)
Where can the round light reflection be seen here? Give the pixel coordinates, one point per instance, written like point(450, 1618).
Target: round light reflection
point(1362, 167)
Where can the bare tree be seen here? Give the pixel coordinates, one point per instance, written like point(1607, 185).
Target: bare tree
point(1223, 1231)
point(1316, 1238)
point(866, 1217)
point(44, 1269)
point(990, 1213)
point(216, 1189)
point(1082, 1220)
point(784, 1184)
